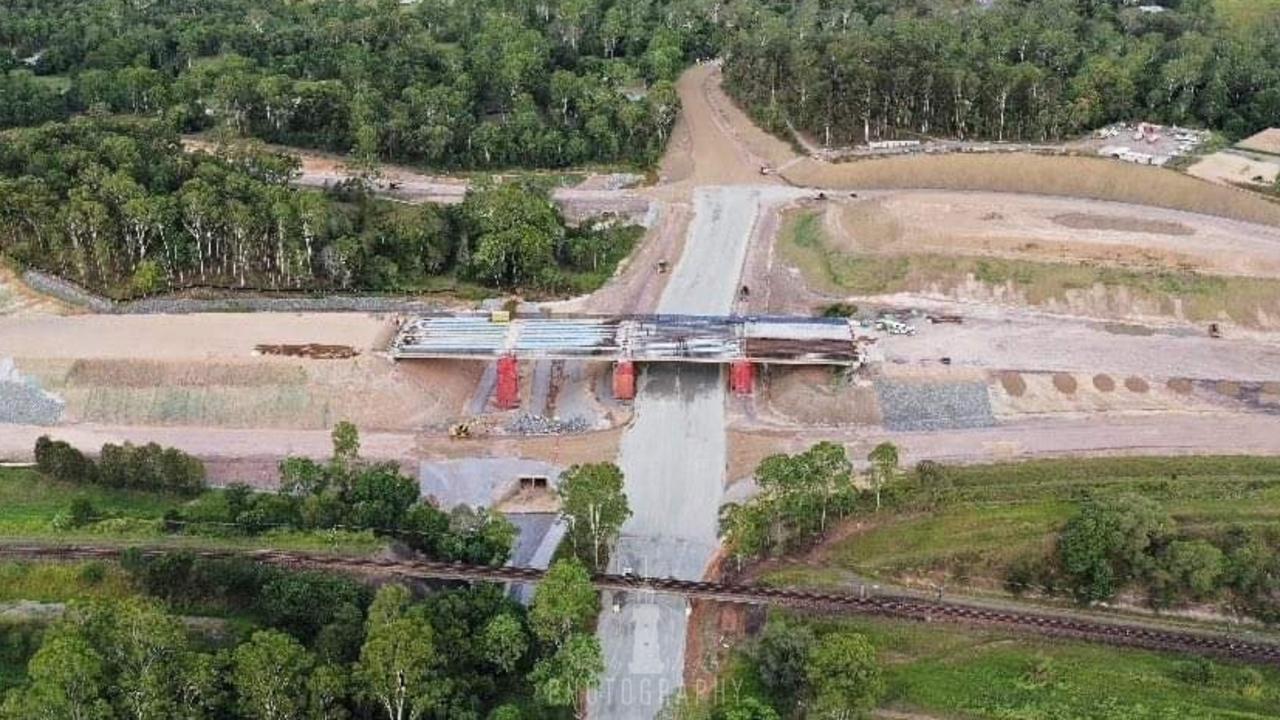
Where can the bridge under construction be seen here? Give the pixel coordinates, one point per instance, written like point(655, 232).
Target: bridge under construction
point(738, 341)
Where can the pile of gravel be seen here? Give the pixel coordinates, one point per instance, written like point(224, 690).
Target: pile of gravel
point(527, 424)
point(934, 406)
point(23, 402)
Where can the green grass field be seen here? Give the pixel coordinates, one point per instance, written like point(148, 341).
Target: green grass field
point(1003, 511)
point(950, 672)
point(29, 504)
point(804, 244)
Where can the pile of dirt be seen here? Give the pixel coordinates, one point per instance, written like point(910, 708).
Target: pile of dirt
point(1104, 383)
point(1065, 383)
point(1182, 386)
point(815, 396)
point(1136, 384)
point(1013, 383)
point(314, 351)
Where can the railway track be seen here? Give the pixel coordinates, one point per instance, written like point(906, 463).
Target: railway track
point(886, 605)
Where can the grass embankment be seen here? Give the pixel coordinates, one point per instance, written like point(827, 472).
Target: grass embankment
point(998, 513)
point(31, 506)
point(950, 672)
point(1082, 177)
point(1198, 297)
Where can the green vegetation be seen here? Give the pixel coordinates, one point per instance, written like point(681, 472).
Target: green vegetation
point(346, 504)
point(1196, 296)
point(990, 526)
point(855, 70)
point(312, 646)
point(800, 497)
point(943, 671)
point(116, 205)
point(592, 501)
point(486, 85)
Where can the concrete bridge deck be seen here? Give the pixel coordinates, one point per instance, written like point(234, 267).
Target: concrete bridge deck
point(636, 338)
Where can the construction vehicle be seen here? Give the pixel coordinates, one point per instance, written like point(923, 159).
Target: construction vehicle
point(460, 431)
point(894, 327)
point(1215, 332)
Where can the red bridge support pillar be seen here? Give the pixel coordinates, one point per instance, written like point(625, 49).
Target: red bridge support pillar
point(508, 382)
point(742, 377)
point(624, 380)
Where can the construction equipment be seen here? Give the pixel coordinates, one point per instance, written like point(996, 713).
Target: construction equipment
point(460, 431)
point(894, 327)
point(955, 319)
point(1215, 332)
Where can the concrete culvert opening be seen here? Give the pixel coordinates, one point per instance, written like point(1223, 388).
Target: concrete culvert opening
point(1104, 383)
point(536, 482)
point(1136, 385)
point(1013, 383)
point(1065, 383)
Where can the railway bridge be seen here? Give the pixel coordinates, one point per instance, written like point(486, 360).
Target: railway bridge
point(1258, 648)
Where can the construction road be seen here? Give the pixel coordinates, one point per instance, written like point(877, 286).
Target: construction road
point(674, 459)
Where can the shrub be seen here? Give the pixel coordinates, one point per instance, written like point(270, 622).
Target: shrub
point(60, 461)
point(82, 512)
point(840, 310)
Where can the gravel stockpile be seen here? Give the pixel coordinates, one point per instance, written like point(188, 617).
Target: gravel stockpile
point(22, 402)
point(934, 406)
point(527, 424)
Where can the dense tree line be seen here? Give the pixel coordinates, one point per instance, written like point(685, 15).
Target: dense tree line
point(854, 70)
point(1131, 544)
point(348, 492)
point(140, 467)
point(542, 83)
point(116, 205)
point(344, 493)
point(311, 645)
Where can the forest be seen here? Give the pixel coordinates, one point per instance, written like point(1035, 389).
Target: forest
point(451, 85)
point(115, 204)
point(846, 71)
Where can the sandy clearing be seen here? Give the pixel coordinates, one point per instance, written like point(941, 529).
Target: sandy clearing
point(1147, 434)
point(1058, 176)
point(1267, 141)
point(184, 336)
point(18, 299)
point(1231, 167)
point(1029, 227)
point(1030, 342)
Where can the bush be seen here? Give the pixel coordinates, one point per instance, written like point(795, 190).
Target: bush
point(840, 310)
point(60, 461)
point(149, 467)
point(82, 512)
